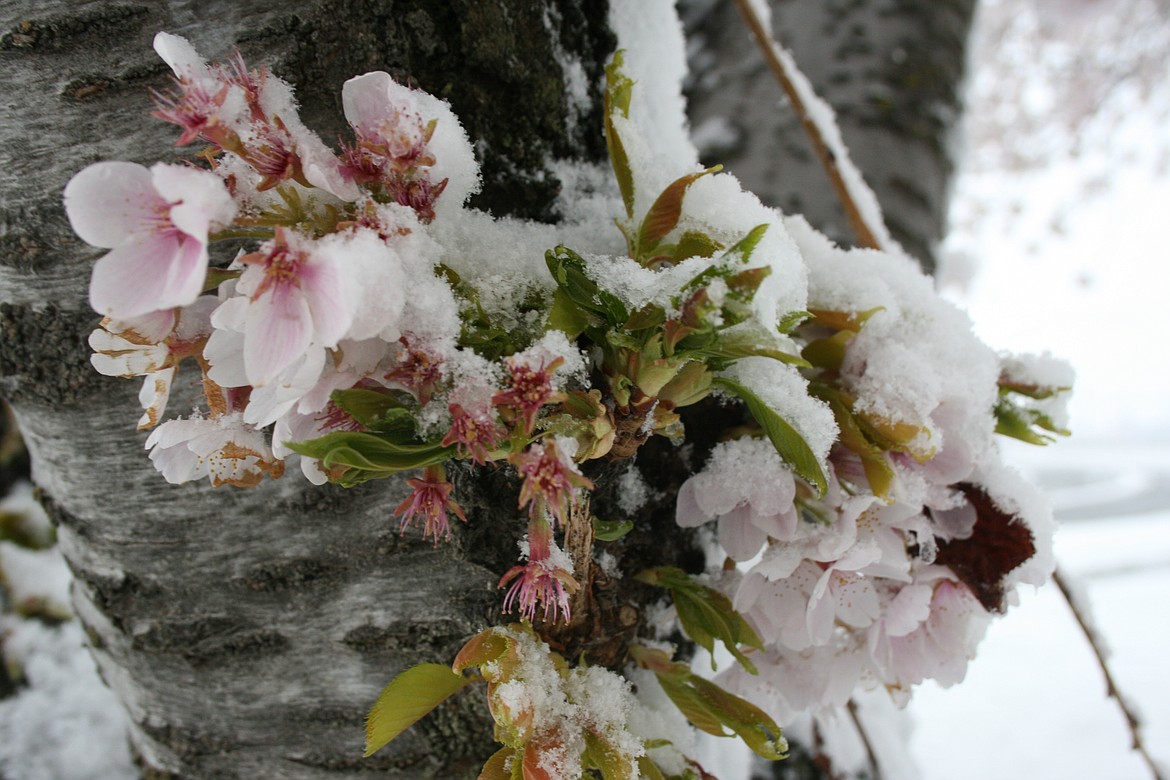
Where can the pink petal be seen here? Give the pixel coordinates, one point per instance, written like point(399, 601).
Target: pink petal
point(186, 272)
point(738, 536)
point(278, 331)
point(108, 201)
point(366, 100)
point(137, 278)
point(686, 510)
point(321, 283)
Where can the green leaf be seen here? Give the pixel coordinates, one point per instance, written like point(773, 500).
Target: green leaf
point(649, 316)
point(664, 214)
point(568, 271)
point(365, 456)
point(217, 276)
point(694, 243)
point(602, 756)
point(754, 726)
point(879, 472)
point(705, 614)
point(375, 408)
point(618, 89)
point(648, 769)
point(611, 530)
point(741, 252)
point(566, 316)
point(496, 767)
point(710, 708)
point(407, 698)
point(1013, 421)
point(790, 321)
point(793, 449)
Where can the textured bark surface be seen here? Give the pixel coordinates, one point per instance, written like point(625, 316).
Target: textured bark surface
point(891, 69)
point(247, 632)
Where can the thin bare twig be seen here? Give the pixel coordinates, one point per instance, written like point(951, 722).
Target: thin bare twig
point(871, 755)
point(1131, 719)
point(867, 235)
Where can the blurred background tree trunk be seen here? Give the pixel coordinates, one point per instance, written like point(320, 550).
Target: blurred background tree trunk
point(247, 632)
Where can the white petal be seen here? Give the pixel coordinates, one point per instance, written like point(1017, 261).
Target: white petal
point(202, 197)
point(738, 536)
point(108, 201)
point(180, 55)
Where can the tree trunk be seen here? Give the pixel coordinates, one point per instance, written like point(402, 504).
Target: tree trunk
point(891, 69)
point(248, 632)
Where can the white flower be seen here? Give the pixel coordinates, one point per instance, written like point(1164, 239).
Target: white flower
point(156, 223)
point(224, 449)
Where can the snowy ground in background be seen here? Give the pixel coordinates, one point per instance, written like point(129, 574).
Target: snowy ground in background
point(1034, 704)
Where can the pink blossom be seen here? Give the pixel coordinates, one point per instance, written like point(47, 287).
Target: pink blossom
point(418, 371)
point(529, 390)
point(431, 500)
point(546, 579)
point(750, 490)
point(156, 223)
point(473, 434)
point(538, 583)
point(550, 481)
point(941, 642)
point(295, 299)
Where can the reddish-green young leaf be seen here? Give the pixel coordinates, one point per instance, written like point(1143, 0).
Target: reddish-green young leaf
point(496, 767)
point(531, 764)
point(664, 214)
point(407, 698)
point(486, 646)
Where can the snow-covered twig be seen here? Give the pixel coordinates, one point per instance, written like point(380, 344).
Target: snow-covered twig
point(817, 118)
point(1132, 721)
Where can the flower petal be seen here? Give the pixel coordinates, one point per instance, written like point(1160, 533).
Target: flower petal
point(108, 201)
point(136, 278)
point(278, 331)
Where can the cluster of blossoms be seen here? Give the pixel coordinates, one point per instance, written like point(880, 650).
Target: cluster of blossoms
point(376, 326)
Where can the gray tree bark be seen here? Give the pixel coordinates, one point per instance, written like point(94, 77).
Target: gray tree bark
point(891, 69)
point(247, 632)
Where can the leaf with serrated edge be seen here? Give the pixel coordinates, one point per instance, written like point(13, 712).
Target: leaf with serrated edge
point(407, 698)
point(793, 449)
point(664, 214)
